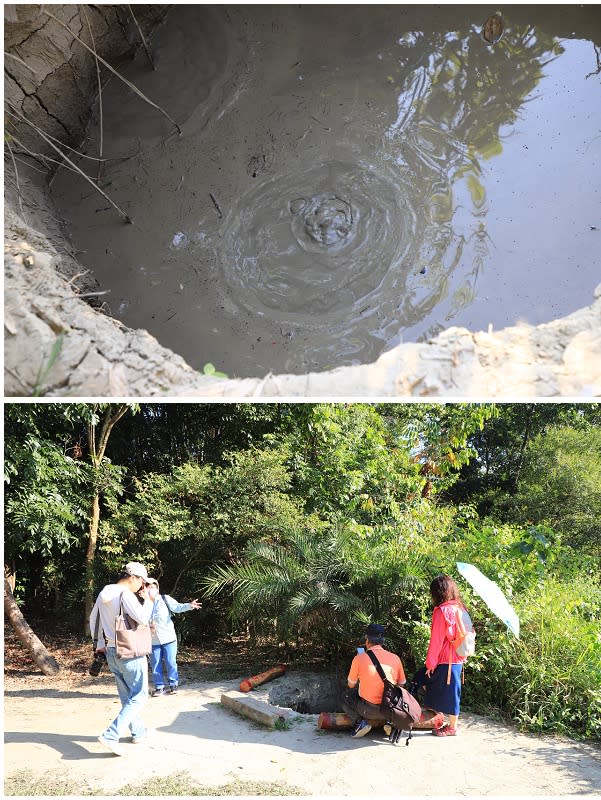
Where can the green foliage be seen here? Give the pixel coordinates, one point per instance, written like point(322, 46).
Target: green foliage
point(210, 369)
point(561, 485)
point(293, 586)
point(43, 509)
point(329, 582)
point(45, 369)
point(182, 523)
point(493, 476)
point(342, 460)
point(550, 679)
point(303, 522)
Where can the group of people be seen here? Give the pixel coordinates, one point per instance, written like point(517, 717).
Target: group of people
point(139, 596)
point(439, 679)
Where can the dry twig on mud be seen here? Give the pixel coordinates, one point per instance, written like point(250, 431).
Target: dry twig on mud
point(144, 42)
point(41, 156)
point(101, 146)
point(20, 61)
point(79, 153)
point(41, 133)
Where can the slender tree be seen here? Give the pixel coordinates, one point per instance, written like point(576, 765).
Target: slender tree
point(100, 423)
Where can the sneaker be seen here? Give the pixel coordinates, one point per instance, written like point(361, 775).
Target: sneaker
point(173, 689)
point(387, 729)
point(148, 734)
point(111, 744)
point(445, 730)
point(361, 728)
point(159, 692)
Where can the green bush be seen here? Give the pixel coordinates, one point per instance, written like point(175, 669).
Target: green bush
point(549, 679)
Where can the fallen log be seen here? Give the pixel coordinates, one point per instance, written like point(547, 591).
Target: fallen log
point(429, 719)
point(333, 721)
point(338, 721)
point(249, 683)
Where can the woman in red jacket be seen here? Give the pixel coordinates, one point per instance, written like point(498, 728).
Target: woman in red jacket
point(443, 686)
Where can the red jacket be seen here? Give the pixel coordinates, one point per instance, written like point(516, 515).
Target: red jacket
point(443, 627)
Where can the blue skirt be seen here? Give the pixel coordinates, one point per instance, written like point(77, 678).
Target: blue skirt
point(437, 694)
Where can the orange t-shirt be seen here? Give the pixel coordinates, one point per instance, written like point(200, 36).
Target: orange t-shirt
point(363, 671)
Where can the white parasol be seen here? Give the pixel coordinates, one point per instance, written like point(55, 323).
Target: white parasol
point(492, 596)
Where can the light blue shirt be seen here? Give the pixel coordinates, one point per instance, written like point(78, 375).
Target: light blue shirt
point(161, 624)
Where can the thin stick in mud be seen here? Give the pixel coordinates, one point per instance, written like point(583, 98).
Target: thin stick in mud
point(217, 206)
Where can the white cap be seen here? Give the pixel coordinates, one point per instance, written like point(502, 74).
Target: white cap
point(134, 568)
point(153, 581)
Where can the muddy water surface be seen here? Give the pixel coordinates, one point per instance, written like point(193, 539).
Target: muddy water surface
point(346, 178)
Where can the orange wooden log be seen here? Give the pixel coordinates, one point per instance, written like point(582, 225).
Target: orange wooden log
point(330, 721)
point(249, 683)
point(429, 719)
point(339, 721)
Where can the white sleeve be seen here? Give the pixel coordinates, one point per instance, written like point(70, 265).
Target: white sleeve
point(134, 609)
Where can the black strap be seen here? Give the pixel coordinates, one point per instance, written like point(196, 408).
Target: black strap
point(167, 604)
point(377, 665)
point(395, 734)
point(97, 627)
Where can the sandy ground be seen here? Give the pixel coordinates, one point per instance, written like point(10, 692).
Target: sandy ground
point(50, 729)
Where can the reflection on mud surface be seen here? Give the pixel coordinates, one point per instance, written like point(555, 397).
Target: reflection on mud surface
point(348, 180)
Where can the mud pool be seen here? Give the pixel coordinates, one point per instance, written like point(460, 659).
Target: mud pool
point(346, 178)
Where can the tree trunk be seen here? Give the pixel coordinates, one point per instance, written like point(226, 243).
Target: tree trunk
point(525, 437)
point(97, 449)
point(46, 662)
point(90, 555)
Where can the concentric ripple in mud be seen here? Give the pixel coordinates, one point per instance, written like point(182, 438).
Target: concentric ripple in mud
point(314, 247)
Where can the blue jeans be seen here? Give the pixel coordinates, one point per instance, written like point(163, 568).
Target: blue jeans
point(167, 653)
point(131, 676)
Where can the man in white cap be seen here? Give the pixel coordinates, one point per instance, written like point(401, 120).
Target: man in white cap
point(131, 674)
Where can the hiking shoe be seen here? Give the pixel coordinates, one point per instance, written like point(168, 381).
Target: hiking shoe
point(387, 729)
point(173, 689)
point(445, 730)
point(361, 728)
point(159, 692)
point(111, 744)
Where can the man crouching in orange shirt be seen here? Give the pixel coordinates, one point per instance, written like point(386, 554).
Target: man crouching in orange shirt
point(362, 704)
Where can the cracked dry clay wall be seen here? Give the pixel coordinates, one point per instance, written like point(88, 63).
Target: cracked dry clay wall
point(50, 80)
point(58, 345)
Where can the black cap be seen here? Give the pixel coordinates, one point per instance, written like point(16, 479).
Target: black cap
point(375, 630)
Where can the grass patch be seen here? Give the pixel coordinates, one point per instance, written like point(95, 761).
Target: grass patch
point(181, 783)
point(26, 783)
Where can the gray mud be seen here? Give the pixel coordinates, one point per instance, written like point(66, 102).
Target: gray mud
point(348, 177)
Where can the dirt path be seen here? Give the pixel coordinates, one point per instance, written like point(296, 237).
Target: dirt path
point(55, 729)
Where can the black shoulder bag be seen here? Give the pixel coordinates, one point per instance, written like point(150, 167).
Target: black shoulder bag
point(401, 709)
